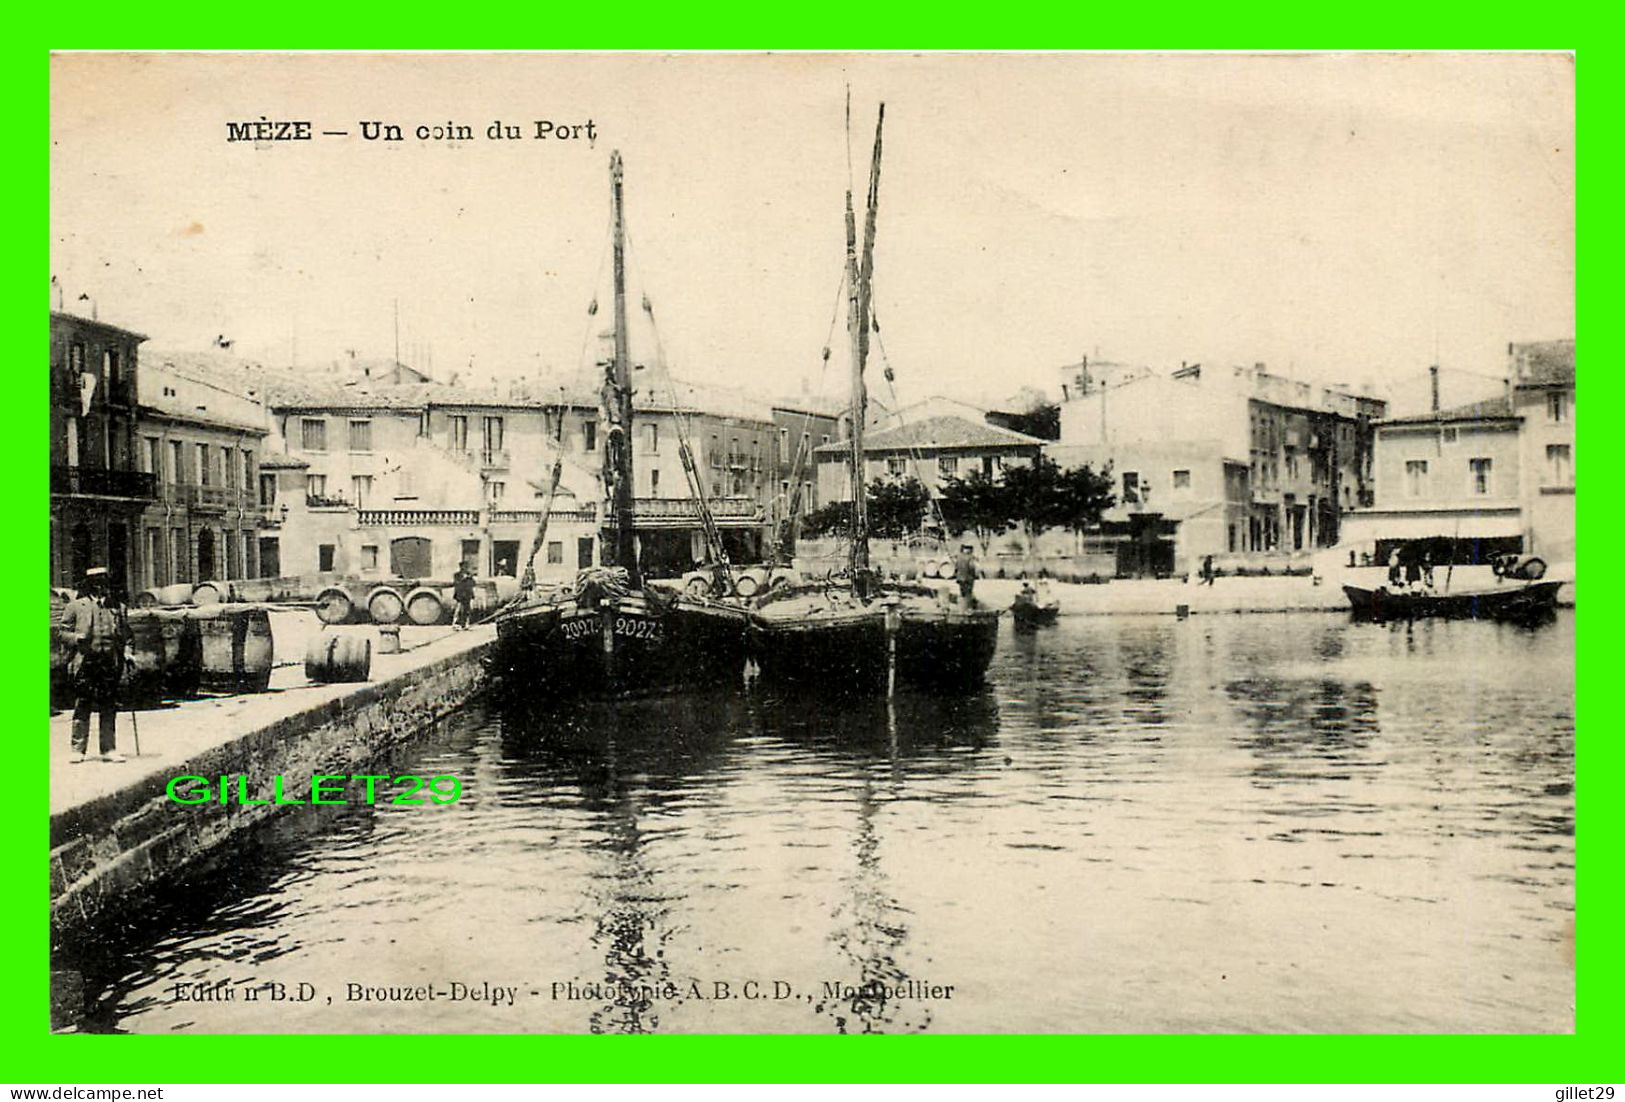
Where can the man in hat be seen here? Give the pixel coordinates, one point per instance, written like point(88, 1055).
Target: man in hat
point(462, 592)
point(96, 626)
point(965, 572)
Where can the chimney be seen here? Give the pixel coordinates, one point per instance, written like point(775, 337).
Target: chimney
point(1433, 381)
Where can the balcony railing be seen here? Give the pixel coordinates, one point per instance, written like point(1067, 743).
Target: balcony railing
point(685, 507)
point(495, 459)
point(209, 497)
point(103, 483)
point(398, 518)
point(584, 514)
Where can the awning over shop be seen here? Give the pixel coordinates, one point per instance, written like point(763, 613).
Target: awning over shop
point(1370, 526)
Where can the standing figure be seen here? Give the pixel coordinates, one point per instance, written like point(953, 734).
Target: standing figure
point(1396, 572)
point(1207, 570)
point(462, 592)
point(965, 572)
point(97, 628)
point(1427, 569)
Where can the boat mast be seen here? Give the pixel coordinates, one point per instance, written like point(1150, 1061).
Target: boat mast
point(857, 321)
point(618, 539)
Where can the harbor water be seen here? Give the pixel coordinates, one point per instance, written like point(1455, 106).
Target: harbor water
point(1274, 823)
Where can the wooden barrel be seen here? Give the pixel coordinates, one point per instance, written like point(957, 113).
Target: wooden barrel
point(164, 596)
point(389, 639)
point(61, 688)
point(237, 653)
point(210, 593)
point(333, 657)
point(489, 595)
point(750, 582)
point(385, 606)
point(928, 569)
point(334, 606)
point(166, 653)
point(424, 606)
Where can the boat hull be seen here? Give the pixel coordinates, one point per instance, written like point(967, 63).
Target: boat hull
point(1513, 602)
point(1028, 616)
point(852, 650)
point(620, 645)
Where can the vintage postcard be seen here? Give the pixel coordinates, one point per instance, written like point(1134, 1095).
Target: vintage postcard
point(812, 543)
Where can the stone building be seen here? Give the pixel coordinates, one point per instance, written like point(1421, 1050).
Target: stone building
point(1542, 376)
point(413, 479)
point(1241, 460)
point(1496, 474)
point(98, 489)
point(933, 440)
point(201, 441)
point(804, 424)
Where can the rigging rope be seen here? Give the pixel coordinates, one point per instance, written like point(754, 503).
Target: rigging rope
point(914, 454)
point(724, 581)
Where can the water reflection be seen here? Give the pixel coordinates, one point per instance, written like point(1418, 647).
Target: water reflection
point(1243, 823)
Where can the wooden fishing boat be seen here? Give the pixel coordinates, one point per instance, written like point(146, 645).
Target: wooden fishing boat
point(860, 632)
point(1502, 602)
point(611, 632)
point(1028, 612)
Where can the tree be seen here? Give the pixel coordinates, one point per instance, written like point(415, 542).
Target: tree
point(978, 504)
point(1084, 496)
point(897, 507)
point(1030, 411)
point(1036, 497)
point(834, 519)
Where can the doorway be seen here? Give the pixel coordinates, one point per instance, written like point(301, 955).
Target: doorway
point(80, 549)
point(205, 555)
point(152, 570)
point(410, 557)
point(505, 557)
point(270, 557)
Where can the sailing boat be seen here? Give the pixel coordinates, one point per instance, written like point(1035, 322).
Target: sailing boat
point(865, 632)
point(612, 632)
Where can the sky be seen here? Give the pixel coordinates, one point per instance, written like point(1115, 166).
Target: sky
point(1340, 218)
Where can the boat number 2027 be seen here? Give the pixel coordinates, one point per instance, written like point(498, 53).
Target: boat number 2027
point(576, 629)
point(634, 629)
point(638, 629)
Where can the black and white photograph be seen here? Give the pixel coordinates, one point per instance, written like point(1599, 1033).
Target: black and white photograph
point(812, 543)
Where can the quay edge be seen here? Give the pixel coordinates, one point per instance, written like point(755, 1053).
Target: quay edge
point(122, 842)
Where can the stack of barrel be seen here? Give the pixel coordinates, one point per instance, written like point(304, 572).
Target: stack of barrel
point(178, 652)
point(404, 600)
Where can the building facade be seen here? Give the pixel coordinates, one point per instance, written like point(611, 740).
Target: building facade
point(1497, 475)
point(933, 441)
point(1543, 399)
point(1242, 460)
point(98, 489)
point(201, 443)
point(803, 425)
point(415, 479)
point(1451, 474)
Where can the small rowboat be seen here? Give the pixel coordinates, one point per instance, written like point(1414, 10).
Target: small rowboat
point(1028, 613)
point(1530, 601)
